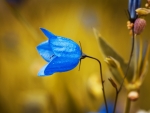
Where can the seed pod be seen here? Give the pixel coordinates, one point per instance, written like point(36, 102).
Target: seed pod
point(139, 25)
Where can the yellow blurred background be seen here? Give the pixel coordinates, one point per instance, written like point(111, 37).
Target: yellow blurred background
point(22, 91)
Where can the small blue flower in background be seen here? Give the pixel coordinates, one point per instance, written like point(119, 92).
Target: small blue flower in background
point(110, 108)
point(15, 2)
point(62, 54)
point(132, 6)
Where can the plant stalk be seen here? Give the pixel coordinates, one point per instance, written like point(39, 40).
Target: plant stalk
point(124, 78)
point(131, 54)
point(102, 81)
point(128, 104)
point(116, 99)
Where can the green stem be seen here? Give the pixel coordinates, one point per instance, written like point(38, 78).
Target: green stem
point(116, 98)
point(128, 104)
point(132, 50)
point(118, 90)
point(102, 81)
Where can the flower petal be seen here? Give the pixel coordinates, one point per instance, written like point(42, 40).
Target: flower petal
point(133, 5)
point(64, 47)
point(47, 33)
point(45, 51)
point(62, 54)
point(42, 71)
point(60, 64)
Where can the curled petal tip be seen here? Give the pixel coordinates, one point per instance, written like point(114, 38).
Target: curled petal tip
point(41, 28)
point(42, 71)
point(47, 33)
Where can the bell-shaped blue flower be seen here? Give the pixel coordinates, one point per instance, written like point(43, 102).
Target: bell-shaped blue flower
point(132, 6)
point(62, 54)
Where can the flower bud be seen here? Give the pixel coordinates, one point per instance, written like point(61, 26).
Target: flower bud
point(112, 82)
point(133, 95)
point(139, 25)
point(142, 11)
point(147, 5)
point(132, 6)
point(112, 62)
point(129, 25)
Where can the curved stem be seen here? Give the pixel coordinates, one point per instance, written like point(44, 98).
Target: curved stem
point(102, 81)
point(124, 78)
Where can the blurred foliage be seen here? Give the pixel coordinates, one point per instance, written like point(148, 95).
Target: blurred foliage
point(21, 91)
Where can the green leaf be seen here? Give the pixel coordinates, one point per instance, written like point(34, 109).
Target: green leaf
point(107, 50)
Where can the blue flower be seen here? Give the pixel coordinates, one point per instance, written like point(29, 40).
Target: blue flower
point(110, 108)
point(132, 6)
point(62, 54)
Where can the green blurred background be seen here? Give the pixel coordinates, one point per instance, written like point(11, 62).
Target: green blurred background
point(22, 91)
